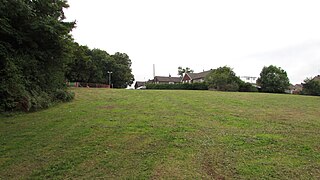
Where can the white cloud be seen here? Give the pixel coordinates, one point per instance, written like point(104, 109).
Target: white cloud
point(203, 34)
point(300, 61)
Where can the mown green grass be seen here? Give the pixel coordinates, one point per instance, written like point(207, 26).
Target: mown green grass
point(126, 134)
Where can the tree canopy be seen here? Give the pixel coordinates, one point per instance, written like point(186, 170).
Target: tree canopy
point(92, 66)
point(223, 79)
point(38, 54)
point(311, 86)
point(34, 49)
point(181, 70)
point(273, 79)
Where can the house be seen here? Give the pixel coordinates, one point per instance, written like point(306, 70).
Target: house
point(195, 77)
point(317, 78)
point(139, 84)
point(294, 89)
point(297, 89)
point(249, 79)
point(166, 80)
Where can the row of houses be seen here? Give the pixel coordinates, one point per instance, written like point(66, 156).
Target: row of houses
point(187, 78)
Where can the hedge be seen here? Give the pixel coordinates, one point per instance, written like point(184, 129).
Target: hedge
point(182, 86)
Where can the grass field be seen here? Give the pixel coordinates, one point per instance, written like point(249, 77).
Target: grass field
point(127, 134)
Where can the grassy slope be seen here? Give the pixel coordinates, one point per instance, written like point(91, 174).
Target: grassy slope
point(162, 134)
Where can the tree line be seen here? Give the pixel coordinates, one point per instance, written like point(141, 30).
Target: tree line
point(92, 66)
point(38, 54)
point(272, 79)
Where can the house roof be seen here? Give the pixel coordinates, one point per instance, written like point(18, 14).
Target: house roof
point(291, 86)
point(150, 81)
point(167, 79)
point(200, 75)
point(140, 83)
point(317, 78)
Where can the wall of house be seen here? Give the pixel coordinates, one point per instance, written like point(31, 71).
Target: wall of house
point(186, 79)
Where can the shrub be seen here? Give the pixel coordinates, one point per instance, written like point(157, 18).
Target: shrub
point(35, 100)
point(311, 87)
point(182, 86)
point(233, 86)
point(223, 79)
point(64, 96)
point(35, 47)
point(247, 87)
point(39, 100)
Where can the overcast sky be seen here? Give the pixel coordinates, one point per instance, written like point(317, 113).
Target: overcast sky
point(204, 34)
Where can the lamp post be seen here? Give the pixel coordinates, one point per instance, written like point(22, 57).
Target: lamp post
point(109, 72)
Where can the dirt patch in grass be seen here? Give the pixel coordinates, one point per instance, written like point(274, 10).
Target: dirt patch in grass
point(209, 169)
point(23, 169)
point(168, 171)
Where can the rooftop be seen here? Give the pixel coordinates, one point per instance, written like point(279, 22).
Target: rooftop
point(199, 75)
point(167, 79)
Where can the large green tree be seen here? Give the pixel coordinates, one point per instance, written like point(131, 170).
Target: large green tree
point(122, 73)
point(223, 79)
point(79, 69)
point(181, 70)
point(311, 86)
point(273, 79)
point(101, 64)
point(92, 66)
point(34, 49)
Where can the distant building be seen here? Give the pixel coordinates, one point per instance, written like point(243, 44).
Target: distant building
point(139, 84)
point(166, 80)
point(158, 80)
point(294, 89)
point(195, 77)
point(317, 78)
point(249, 79)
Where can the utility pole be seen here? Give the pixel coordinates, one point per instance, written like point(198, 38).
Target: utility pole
point(109, 72)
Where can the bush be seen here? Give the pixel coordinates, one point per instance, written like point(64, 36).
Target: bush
point(232, 87)
point(64, 96)
point(311, 87)
point(39, 100)
point(35, 48)
point(35, 100)
point(223, 79)
point(32, 101)
point(247, 87)
point(181, 86)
